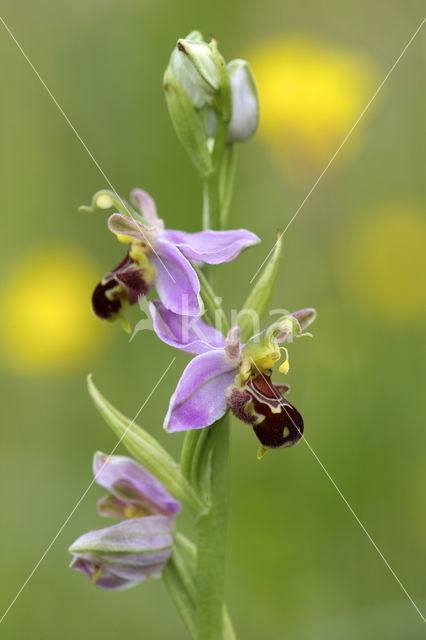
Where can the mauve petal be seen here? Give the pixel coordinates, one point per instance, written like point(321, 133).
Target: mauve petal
point(177, 283)
point(129, 481)
point(110, 577)
point(107, 579)
point(139, 542)
point(212, 247)
point(187, 333)
point(120, 556)
point(199, 399)
point(146, 205)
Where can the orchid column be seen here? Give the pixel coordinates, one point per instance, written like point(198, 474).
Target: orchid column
point(212, 105)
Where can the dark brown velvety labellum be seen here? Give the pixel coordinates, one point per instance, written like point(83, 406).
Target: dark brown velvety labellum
point(260, 403)
point(124, 284)
point(105, 308)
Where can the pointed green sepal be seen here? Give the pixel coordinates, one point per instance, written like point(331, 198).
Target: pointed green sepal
point(223, 106)
point(146, 450)
point(187, 123)
point(258, 300)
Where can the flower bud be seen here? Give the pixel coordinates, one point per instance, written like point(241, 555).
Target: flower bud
point(134, 492)
point(195, 70)
point(123, 555)
point(245, 102)
point(195, 82)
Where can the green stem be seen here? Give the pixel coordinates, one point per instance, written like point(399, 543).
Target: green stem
point(211, 203)
point(211, 197)
point(213, 452)
point(185, 566)
point(185, 556)
point(214, 308)
point(204, 458)
point(190, 455)
point(185, 562)
point(226, 182)
point(196, 469)
point(176, 587)
point(212, 536)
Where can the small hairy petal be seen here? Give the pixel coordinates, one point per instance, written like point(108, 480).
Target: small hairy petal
point(212, 247)
point(187, 333)
point(122, 225)
point(199, 399)
point(305, 317)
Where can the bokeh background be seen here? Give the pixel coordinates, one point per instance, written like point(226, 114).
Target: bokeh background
point(299, 566)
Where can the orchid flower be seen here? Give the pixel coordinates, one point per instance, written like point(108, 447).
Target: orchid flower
point(225, 374)
point(121, 556)
point(159, 257)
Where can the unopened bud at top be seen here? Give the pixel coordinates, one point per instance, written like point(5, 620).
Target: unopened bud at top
point(201, 91)
point(195, 70)
point(245, 102)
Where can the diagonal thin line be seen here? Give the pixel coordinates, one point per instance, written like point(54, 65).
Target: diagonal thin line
point(77, 504)
point(346, 138)
point(84, 145)
point(281, 401)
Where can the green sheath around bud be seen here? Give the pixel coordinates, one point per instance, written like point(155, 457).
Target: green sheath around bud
point(187, 123)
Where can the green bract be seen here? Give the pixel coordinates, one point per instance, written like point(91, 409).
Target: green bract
point(258, 300)
point(187, 123)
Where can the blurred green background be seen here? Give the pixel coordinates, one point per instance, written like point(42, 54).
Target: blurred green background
point(299, 566)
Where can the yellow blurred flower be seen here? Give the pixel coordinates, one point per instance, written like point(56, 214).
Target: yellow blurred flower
point(310, 96)
point(46, 320)
point(382, 263)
